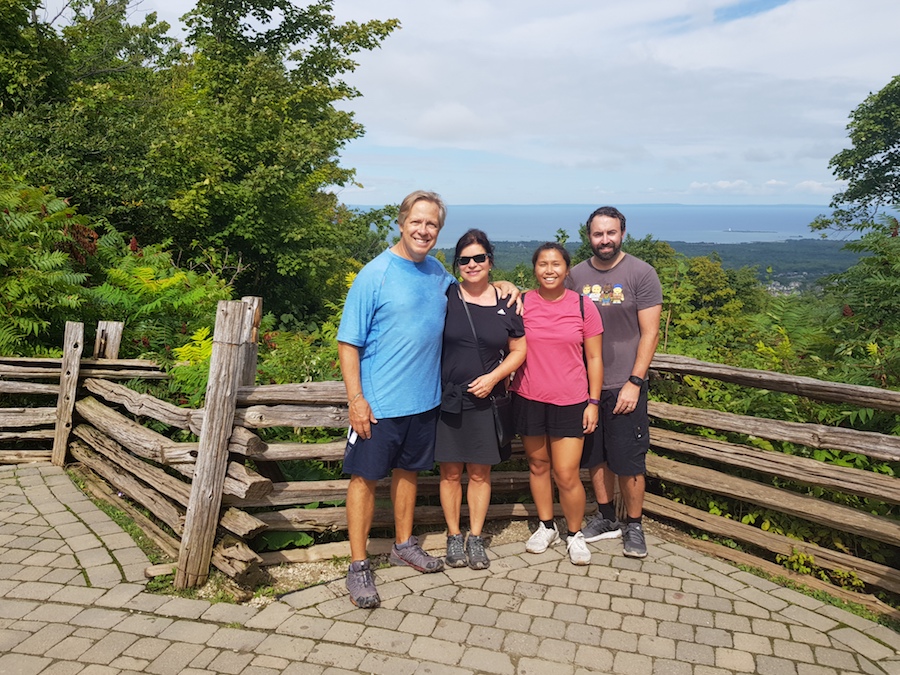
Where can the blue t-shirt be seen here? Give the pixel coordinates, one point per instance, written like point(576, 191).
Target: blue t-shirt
point(394, 314)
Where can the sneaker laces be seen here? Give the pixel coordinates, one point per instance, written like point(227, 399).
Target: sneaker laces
point(367, 576)
point(364, 575)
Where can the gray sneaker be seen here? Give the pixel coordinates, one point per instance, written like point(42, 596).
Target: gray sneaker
point(478, 559)
point(633, 538)
point(361, 584)
point(412, 555)
point(456, 554)
point(598, 528)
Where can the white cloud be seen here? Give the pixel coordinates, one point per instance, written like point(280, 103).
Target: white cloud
point(503, 101)
point(817, 188)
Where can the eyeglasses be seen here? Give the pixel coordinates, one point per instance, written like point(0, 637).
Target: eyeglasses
point(464, 260)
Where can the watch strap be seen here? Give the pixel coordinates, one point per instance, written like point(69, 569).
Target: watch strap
point(634, 379)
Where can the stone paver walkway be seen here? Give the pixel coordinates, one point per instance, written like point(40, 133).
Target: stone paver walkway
point(72, 600)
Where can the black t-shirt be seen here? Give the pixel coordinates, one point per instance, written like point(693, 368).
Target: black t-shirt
point(460, 363)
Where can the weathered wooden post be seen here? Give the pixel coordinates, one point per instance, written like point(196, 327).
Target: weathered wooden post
point(250, 339)
point(250, 353)
point(108, 339)
point(212, 455)
point(73, 345)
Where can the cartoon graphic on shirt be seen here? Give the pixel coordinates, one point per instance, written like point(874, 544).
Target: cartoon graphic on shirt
point(594, 292)
point(606, 295)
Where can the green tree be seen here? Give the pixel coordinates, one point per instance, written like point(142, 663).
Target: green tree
point(865, 337)
point(871, 166)
point(32, 65)
point(230, 151)
point(93, 144)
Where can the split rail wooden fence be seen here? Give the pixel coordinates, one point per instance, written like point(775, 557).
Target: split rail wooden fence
point(218, 493)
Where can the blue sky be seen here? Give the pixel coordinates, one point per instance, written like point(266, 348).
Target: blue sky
point(589, 101)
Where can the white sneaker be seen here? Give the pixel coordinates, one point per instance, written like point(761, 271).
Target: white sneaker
point(542, 538)
point(578, 550)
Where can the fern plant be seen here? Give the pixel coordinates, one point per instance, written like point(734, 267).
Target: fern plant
point(39, 280)
point(160, 304)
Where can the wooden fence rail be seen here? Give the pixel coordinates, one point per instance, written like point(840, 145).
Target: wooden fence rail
point(197, 488)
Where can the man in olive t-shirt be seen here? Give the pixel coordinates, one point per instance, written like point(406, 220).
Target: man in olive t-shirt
point(628, 294)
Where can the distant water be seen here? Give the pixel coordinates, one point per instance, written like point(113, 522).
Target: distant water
point(666, 222)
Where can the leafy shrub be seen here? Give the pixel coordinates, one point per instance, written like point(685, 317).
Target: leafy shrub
point(40, 239)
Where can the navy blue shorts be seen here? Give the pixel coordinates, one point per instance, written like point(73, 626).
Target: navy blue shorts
point(533, 418)
point(621, 441)
point(397, 443)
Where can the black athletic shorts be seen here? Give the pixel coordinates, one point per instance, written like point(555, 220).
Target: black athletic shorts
point(621, 441)
point(533, 418)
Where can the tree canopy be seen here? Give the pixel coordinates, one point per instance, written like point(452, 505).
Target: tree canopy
point(871, 166)
point(227, 147)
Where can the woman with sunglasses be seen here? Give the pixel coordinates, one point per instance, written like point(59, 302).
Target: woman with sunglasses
point(556, 397)
point(483, 344)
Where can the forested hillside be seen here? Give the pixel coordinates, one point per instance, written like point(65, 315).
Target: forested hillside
point(800, 261)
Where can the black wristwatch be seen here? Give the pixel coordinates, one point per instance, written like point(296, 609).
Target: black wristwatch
point(634, 379)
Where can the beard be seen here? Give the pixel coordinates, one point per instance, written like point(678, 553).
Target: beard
point(608, 254)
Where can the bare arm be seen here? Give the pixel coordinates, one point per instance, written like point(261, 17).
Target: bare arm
point(593, 352)
point(361, 417)
point(648, 323)
point(482, 386)
point(509, 289)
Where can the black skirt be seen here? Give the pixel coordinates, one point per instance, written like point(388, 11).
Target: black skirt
point(467, 437)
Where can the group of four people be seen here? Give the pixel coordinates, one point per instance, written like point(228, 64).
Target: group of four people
point(423, 353)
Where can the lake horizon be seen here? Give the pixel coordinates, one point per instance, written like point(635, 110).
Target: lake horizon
point(716, 224)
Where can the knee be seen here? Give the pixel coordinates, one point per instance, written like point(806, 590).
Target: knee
point(451, 474)
point(538, 467)
point(479, 476)
point(567, 480)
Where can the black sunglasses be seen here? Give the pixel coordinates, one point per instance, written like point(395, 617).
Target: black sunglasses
point(464, 260)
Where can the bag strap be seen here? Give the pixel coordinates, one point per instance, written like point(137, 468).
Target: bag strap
point(472, 326)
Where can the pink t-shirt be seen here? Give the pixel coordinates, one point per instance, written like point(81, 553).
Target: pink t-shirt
point(554, 370)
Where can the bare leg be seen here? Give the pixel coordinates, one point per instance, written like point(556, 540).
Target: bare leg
point(602, 481)
point(451, 494)
point(478, 495)
point(632, 488)
point(360, 510)
point(566, 472)
point(403, 495)
point(537, 450)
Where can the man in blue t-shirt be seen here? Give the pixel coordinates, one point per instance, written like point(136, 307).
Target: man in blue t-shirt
point(389, 343)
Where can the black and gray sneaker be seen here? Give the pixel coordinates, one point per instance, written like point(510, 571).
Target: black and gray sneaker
point(361, 584)
point(598, 528)
point(456, 554)
point(478, 559)
point(633, 539)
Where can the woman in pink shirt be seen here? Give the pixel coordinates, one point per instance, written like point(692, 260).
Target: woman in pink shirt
point(557, 393)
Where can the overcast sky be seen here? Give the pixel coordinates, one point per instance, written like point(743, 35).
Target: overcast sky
point(613, 101)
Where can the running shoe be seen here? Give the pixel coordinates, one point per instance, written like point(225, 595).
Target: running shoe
point(542, 539)
point(361, 584)
point(412, 555)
